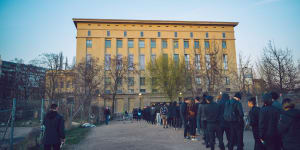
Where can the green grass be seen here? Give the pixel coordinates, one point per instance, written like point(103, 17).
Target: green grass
point(74, 136)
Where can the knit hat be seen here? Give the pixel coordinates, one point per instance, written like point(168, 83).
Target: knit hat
point(267, 99)
point(238, 95)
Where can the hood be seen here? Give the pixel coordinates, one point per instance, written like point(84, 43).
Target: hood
point(293, 113)
point(51, 114)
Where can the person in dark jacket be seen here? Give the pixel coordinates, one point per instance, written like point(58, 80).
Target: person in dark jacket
point(212, 113)
point(173, 114)
point(197, 102)
point(254, 118)
point(236, 121)
point(289, 126)
point(107, 115)
point(54, 129)
point(191, 118)
point(275, 103)
point(224, 125)
point(202, 120)
point(182, 109)
point(268, 121)
point(152, 114)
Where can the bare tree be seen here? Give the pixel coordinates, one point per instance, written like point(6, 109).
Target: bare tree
point(278, 69)
point(244, 75)
point(117, 70)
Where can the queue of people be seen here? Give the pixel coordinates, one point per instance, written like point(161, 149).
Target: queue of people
point(275, 126)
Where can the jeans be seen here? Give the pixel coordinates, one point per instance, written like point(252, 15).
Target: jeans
point(50, 146)
point(158, 119)
point(236, 133)
point(107, 120)
point(213, 130)
point(258, 145)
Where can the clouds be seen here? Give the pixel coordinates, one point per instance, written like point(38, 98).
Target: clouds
point(265, 2)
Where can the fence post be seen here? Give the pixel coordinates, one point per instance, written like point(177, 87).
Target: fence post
point(11, 143)
point(42, 119)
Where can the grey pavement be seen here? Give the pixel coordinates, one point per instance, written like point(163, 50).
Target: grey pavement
point(142, 136)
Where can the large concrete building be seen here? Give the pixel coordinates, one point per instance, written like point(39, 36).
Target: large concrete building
point(143, 40)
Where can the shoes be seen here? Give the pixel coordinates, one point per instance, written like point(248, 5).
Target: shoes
point(194, 139)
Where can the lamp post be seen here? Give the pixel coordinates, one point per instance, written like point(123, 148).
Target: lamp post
point(180, 96)
point(140, 97)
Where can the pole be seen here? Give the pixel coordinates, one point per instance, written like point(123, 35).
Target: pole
point(12, 125)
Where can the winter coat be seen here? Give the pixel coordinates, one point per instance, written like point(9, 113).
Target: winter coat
point(277, 105)
point(191, 111)
point(254, 116)
point(172, 111)
point(238, 111)
point(221, 104)
point(200, 112)
point(183, 111)
point(54, 128)
point(289, 129)
point(268, 121)
point(212, 112)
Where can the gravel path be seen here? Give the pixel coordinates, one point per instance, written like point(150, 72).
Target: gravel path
point(142, 136)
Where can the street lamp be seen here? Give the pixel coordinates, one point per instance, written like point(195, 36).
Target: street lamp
point(180, 96)
point(140, 96)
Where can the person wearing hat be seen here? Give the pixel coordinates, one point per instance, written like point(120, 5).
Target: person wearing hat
point(268, 121)
point(234, 114)
point(289, 124)
point(212, 113)
point(224, 125)
point(191, 117)
point(202, 119)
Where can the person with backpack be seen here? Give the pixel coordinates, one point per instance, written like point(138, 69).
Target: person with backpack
point(107, 115)
point(224, 125)
point(212, 113)
point(164, 113)
point(139, 114)
point(268, 121)
point(202, 120)
point(54, 129)
point(234, 114)
point(254, 118)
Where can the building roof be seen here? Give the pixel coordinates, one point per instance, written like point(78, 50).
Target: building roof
point(166, 22)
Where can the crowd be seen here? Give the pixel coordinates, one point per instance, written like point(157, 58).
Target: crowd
point(275, 126)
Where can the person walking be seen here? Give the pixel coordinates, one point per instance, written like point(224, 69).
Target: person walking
point(191, 118)
point(107, 115)
point(268, 121)
point(234, 114)
point(212, 113)
point(254, 118)
point(289, 126)
point(224, 125)
point(54, 129)
point(152, 114)
point(173, 114)
point(197, 102)
point(164, 113)
point(202, 120)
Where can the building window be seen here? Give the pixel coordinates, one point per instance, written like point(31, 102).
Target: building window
point(142, 62)
point(143, 90)
point(142, 81)
point(119, 62)
point(158, 34)
point(130, 91)
point(141, 44)
point(107, 61)
point(107, 43)
point(130, 43)
point(196, 44)
point(224, 35)
point(227, 81)
point(206, 44)
point(142, 34)
point(130, 81)
point(224, 45)
point(207, 60)
point(125, 33)
point(225, 61)
point(68, 84)
point(107, 91)
point(176, 58)
point(175, 34)
point(153, 57)
point(164, 43)
point(89, 33)
point(107, 81)
point(119, 43)
point(198, 80)
point(130, 62)
point(206, 34)
point(107, 33)
point(175, 43)
point(89, 43)
point(153, 43)
point(191, 34)
point(62, 85)
point(197, 61)
point(186, 44)
point(187, 60)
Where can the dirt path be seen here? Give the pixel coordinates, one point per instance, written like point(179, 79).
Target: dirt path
point(142, 136)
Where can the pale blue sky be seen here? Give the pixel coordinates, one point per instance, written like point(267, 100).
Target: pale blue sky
point(29, 28)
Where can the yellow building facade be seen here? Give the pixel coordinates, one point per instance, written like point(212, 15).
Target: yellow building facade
point(144, 40)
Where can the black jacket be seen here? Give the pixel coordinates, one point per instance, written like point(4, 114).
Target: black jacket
point(172, 111)
point(289, 129)
point(212, 112)
point(54, 128)
point(268, 121)
point(183, 111)
point(200, 113)
point(254, 116)
point(221, 104)
point(238, 110)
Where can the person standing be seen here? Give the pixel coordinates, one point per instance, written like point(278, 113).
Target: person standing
point(234, 114)
point(212, 113)
point(197, 101)
point(224, 125)
point(275, 102)
point(268, 121)
point(172, 113)
point(158, 118)
point(107, 115)
point(191, 118)
point(254, 118)
point(164, 113)
point(202, 120)
point(289, 126)
point(54, 129)
point(152, 114)
point(139, 114)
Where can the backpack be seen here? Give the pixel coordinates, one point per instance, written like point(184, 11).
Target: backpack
point(229, 111)
point(164, 110)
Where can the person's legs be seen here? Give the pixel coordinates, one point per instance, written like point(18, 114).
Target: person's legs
point(240, 136)
point(257, 145)
point(211, 133)
point(219, 134)
point(47, 147)
point(232, 136)
point(206, 136)
point(56, 146)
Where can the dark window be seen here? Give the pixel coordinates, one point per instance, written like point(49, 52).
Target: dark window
point(142, 34)
point(196, 44)
point(186, 44)
point(125, 33)
point(224, 45)
point(119, 43)
point(130, 81)
point(224, 35)
point(143, 90)
point(164, 43)
point(107, 33)
point(130, 43)
point(191, 34)
point(142, 81)
point(175, 34)
point(206, 44)
point(89, 33)
point(107, 43)
point(158, 34)
point(206, 34)
point(89, 43)
point(153, 43)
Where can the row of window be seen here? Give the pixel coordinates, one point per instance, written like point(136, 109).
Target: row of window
point(158, 34)
point(175, 58)
point(153, 43)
